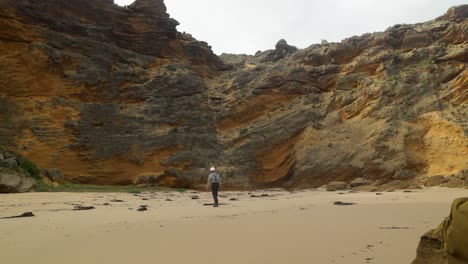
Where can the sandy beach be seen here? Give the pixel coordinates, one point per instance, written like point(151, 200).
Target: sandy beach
point(283, 227)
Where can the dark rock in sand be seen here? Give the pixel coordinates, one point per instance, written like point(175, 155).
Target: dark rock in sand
point(27, 214)
point(259, 196)
point(195, 197)
point(233, 199)
point(343, 203)
point(142, 208)
point(117, 201)
point(83, 208)
point(168, 200)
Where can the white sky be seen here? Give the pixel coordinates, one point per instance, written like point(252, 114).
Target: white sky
point(245, 26)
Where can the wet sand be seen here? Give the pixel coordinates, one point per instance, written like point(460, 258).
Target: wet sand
point(285, 227)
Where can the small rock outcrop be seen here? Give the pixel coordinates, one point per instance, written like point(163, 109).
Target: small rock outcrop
point(15, 183)
point(282, 49)
point(337, 186)
point(435, 181)
point(359, 182)
point(16, 173)
point(55, 175)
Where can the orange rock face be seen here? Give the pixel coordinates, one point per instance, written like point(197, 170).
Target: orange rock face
point(115, 95)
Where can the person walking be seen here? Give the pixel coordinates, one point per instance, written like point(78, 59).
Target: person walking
point(214, 181)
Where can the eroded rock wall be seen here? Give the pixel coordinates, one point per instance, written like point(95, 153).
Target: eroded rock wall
point(115, 95)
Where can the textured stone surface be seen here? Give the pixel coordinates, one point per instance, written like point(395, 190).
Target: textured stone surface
point(447, 243)
point(15, 183)
point(359, 182)
point(336, 186)
point(55, 175)
point(9, 182)
point(27, 184)
point(116, 95)
point(431, 248)
point(455, 230)
point(435, 181)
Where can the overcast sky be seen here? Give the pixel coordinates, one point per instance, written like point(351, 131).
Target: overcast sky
point(246, 26)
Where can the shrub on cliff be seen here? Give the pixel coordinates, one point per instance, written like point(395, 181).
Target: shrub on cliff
point(31, 168)
point(12, 161)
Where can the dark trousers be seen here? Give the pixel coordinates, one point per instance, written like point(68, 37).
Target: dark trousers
point(214, 191)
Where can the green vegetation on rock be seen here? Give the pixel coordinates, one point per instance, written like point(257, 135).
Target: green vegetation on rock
point(31, 168)
point(14, 162)
point(244, 131)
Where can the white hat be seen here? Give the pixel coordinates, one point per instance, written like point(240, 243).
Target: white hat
point(212, 169)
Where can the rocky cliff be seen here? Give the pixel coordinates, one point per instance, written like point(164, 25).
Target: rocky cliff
point(115, 95)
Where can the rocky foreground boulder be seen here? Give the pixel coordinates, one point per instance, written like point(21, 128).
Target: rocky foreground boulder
point(336, 186)
point(15, 183)
point(447, 244)
point(16, 173)
point(116, 95)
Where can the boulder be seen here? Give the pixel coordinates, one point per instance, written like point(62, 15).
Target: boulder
point(15, 183)
point(343, 203)
point(23, 215)
point(9, 182)
point(27, 184)
point(431, 248)
point(358, 182)
point(447, 243)
point(454, 182)
point(336, 186)
point(83, 208)
point(394, 185)
point(435, 181)
point(282, 49)
point(456, 13)
point(55, 175)
point(455, 232)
